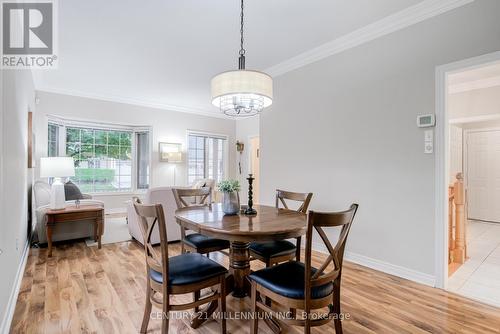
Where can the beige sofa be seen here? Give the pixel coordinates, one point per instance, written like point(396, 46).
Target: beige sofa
point(76, 230)
point(159, 195)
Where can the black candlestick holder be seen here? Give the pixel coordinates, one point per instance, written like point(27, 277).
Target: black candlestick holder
point(250, 210)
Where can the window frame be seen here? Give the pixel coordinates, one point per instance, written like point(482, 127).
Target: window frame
point(64, 123)
point(225, 156)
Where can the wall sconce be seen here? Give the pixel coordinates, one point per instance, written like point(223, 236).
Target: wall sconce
point(170, 152)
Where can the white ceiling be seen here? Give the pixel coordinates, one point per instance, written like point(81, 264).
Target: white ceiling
point(164, 52)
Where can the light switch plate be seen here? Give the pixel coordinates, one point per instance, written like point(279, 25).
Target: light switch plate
point(428, 135)
point(428, 147)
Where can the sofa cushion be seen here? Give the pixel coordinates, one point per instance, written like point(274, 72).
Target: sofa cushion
point(72, 192)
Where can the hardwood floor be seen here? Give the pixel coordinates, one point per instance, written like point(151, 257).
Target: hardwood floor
point(86, 290)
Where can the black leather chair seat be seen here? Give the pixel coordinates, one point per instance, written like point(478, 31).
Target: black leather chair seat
point(189, 268)
point(197, 240)
point(272, 248)
point(287, 279)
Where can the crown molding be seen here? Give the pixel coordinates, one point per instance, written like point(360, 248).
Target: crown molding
point(397, 21)
point(473, 85)
point(135, 102)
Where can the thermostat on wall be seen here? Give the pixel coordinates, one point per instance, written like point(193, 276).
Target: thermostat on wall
point(426, 121)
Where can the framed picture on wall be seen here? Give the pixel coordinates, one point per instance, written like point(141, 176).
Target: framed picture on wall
point(170, 152)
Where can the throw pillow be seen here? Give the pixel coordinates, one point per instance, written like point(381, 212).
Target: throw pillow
point(72, 191)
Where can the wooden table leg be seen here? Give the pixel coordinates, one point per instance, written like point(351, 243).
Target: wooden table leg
point(49, 237)
point(99, 229)
point(240, 268)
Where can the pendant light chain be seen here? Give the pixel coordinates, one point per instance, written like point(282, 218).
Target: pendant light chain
point(242, 50)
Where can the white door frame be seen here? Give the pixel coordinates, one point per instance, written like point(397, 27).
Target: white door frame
point(442, 158)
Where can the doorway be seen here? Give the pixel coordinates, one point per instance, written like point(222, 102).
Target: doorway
point(467, 164)
point(255, 166)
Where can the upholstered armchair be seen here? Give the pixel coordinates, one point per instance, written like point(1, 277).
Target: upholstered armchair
point(76, 230)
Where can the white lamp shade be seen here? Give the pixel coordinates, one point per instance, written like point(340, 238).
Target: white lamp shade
point(242, 82)
point(57, 167)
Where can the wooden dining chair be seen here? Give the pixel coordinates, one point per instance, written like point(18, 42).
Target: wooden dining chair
point(301, 286)
point(273, 252)
point(185, 273)
point(196, 242)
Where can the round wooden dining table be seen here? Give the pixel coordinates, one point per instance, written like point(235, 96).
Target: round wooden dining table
point(268, 224)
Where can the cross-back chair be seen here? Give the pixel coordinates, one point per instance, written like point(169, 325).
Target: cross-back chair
point(299, 285)
point(185, 273)
point(196, 242)
point(273, 252)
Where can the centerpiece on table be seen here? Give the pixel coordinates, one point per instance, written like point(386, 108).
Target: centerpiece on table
point(230, 196)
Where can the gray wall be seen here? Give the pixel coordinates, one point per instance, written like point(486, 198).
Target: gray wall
point(345, 129)
point(15, 179)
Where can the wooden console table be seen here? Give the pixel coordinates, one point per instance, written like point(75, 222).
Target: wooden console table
point(70, 214)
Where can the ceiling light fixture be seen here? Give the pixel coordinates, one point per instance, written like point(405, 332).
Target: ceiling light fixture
point(242, 92)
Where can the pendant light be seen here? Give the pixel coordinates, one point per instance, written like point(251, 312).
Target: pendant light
point(242, 92)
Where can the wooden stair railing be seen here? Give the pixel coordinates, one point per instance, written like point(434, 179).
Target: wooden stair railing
point(456, 222)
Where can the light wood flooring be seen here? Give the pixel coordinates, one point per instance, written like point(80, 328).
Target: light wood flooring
point(86, 290)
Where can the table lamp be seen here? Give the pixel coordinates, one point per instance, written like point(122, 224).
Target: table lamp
point(57, 167)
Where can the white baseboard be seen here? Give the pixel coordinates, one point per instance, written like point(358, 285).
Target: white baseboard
point(11, 305)
point(383, 266)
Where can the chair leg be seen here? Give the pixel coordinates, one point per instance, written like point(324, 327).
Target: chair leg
point(222, 303)
point(336, 307)
point(254, 324)
point(307, 324)
point(196, 297)
point(297, 251)
point(268, 264)
point(147, 311)
point(165, 315)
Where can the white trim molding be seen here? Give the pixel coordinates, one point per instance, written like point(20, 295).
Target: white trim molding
point(389, 24)
point(386, 267)
point(473, 85)
point(475, 119)
point(11, 304)
point(134, 101)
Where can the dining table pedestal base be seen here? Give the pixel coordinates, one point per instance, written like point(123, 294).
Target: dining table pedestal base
point(240, 268)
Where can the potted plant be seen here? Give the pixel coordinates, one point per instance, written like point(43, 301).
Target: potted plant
point(230, 196)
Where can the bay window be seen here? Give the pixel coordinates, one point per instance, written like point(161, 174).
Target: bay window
point(107, 158)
